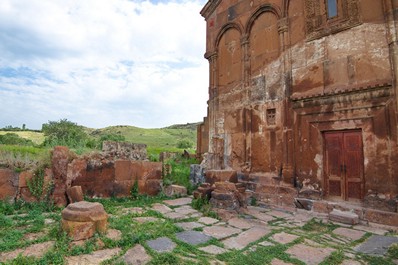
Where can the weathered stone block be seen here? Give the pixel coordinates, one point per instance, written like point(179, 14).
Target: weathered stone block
point(320, 207)
point(197, 175)
point(153, 186)
point(125, 150)
point(75, 194)
point(213, 176)
point(78, 230)
point(204, 191)
point(81, 219)
point(175, 190)
point(381, 217)
point(24, 176)
point(123, 170)
point(225, 186)
point(343, 217)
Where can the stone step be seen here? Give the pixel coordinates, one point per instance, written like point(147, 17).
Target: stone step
point(344, 217)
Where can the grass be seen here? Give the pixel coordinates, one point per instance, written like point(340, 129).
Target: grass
point(18, 220)
point(36, 137)
point(157, 140)
point(21, 158)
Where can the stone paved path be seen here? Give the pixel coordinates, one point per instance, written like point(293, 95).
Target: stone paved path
point(296, 235)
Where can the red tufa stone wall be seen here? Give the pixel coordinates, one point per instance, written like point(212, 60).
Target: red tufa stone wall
point(98, 175)
point(283, 75)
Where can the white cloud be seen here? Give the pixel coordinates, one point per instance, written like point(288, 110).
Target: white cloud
point(102, 62)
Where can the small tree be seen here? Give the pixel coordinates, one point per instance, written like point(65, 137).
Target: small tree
point(64, 132)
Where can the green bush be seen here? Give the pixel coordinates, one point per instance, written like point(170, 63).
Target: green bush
point(14, 139)
point(64, 132)
point(184, 144)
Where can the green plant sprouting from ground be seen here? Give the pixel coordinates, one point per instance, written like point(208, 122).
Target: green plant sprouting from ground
point(36, 184)
point(179, 173)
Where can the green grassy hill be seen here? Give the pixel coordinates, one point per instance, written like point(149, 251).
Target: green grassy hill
point(36, 137)
point(157, 140)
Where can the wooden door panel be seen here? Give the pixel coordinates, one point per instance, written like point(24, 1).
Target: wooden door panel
point(344, 164)
point(334, 181)
point(353, 160)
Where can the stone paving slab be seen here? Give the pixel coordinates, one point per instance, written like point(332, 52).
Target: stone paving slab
point(263, 216)
point(113, 234)
point(376, 245)
point(136, 256)
point(284, 238)
point(35, 250)
point(245, 238)
point(161, 208)
point(33, 236)
point(240, 223)
point(208, 220)
point(94, 258)
point(133, 210)
point(309, 255)
point(370, 229)
point(186, 209)
point(279, 262)
point(147, 219)
point(178, 202)
point(220, 232)
point(193, 237)
point(189, 225)
point(212, 249)
point(161, 244)
point(176, 216)
point(349, 233)
point(280, 214)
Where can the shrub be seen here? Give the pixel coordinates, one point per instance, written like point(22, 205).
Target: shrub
point(14, 139)
point(64, 132)
point(184, 144)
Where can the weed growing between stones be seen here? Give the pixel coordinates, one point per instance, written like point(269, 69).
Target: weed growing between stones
point(203, 205)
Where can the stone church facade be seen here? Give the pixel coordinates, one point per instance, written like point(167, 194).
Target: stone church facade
point(303, 96)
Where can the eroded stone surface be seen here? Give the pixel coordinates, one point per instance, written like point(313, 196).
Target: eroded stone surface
point(161, 208)
point(245, 238)
point(376, 245)
point(161, 244)
point(349, 233)
point(309, 255)
point(82, 219)
point(240, 223)
point(208, 220)
point(193, 237)
point(220, 232)
point(36, 250)
point(136, 256)
point(114, 234)
point(284, 238)
point(212, 249)
point(94, 258)
point(178, 202)
point(189, 225)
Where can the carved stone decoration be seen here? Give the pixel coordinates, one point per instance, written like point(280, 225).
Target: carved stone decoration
point(318, 25)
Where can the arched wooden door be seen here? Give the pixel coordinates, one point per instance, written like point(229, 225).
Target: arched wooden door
point(343, 164)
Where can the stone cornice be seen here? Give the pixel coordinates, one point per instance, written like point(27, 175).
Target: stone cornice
point(209, 8)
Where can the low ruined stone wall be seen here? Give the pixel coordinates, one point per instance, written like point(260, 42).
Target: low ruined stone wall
point(113, 172)
point(124, 150)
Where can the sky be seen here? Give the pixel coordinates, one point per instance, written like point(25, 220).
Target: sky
point(101, 63)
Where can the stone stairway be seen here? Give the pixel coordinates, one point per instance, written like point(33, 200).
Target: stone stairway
point(269, 189)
